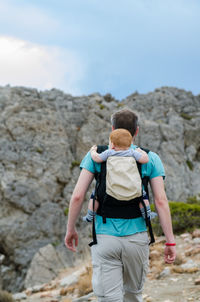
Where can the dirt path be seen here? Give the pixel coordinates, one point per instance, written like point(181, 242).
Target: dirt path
point(176, 288)
point(179, 282)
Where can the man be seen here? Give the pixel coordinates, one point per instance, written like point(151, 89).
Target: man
point(120, 257)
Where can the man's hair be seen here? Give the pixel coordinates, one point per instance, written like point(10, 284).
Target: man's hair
point(121, 138)
point(125, 119)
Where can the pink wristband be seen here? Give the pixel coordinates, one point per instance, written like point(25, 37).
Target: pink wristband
point(170, 244)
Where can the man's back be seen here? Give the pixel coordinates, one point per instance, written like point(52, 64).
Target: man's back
point(124, 227)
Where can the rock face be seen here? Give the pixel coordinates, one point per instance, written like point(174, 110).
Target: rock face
point(44, 136)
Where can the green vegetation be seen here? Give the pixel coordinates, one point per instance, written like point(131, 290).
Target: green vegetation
point(190, 164)
point(66, 211)
point(75, 163)
point(186, 116)
point(39, 150)
point(101, 106)
point(185, 217)
point(56, 243)
point(108, 97)
point(119, 105)
point(194, 200)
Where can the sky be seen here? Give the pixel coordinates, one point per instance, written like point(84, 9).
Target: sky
point(108, 46)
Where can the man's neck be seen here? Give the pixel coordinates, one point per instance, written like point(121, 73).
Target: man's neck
point(120, 149)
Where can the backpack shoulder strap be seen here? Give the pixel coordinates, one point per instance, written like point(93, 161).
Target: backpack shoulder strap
point(146, 150)
point(145, 182)
point(99, 176)
point(101, 148)
point(145, 179)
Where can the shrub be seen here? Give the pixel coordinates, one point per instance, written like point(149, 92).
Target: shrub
point(190, 165)
point(66, 211)
point(186, 116)
point(101, 106)
point(193, 200)
point(74, 164)
point(119, 105)
point(5, 296)
point(185, 217)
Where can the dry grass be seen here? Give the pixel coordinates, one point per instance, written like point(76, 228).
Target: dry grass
point(67, 290)
point(180, 270)
point(82, 287)
point(179, 260)
point(5, 296)
point(156, 260)
point(84, 284)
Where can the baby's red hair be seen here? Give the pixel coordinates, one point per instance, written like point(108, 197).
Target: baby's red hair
point(121, 138)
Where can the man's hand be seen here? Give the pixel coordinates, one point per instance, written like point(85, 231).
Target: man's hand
point(170, 254)
point(164, 215)
point(84, 180)
point(71, 240)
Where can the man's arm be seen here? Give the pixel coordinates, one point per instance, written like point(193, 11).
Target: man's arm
point(75, 207)
point(162, 207)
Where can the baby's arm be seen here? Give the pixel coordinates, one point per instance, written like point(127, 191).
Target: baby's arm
point(95, 156)
point(144, 156)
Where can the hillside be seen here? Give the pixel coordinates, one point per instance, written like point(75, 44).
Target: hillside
point(43, 137)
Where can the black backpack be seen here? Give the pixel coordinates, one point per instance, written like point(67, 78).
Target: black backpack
point(109, 207)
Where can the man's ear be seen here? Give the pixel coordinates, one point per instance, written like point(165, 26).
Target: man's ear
point(136, 132)
point(113, 128)
point(112, 146)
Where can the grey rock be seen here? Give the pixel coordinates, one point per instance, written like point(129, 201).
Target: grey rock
point(196, 240)
point(19, 296)
point(2, 258)
point(44, 267)
point(69, 280)
point(189, 264)
point(43, 137)
point(165, 272)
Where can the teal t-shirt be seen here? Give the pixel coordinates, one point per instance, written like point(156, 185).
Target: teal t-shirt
point(118, 226)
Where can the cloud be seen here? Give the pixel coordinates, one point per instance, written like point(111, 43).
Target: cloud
point(33, 65)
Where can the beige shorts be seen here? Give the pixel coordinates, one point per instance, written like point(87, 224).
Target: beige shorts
point(120, 265)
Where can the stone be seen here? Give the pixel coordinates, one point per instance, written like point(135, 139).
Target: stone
point(37, 288)
point(189, 265)
point(149, 299)
point(45, 266)
point(185, 235)
point(192, 251)
point(2, 258)
point(196, 233)
point(196, 240)
point(19, 296)
point(69, 280)
point(197, 281)
point(165, 272)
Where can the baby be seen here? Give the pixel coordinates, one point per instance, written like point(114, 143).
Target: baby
point(119, 145)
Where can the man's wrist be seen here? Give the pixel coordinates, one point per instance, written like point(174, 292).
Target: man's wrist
point(170, 243)
point(71, 229)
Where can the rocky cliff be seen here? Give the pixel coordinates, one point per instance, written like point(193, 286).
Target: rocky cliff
point(43, 137)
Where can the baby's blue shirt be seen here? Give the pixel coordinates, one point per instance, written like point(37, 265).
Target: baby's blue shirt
point(118, 226)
